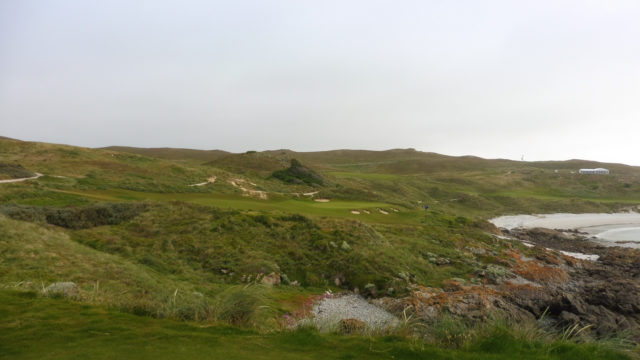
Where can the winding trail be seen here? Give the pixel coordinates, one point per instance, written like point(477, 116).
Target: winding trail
point(21, 179)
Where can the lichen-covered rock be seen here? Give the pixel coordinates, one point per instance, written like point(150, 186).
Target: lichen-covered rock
point(271, 279)
point(494, 273)
point(370, 290)
point(66, 289)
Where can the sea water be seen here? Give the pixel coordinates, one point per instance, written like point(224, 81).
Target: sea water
point(616, 235)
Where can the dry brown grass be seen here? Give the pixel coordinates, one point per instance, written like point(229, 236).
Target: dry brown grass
point(542, 274)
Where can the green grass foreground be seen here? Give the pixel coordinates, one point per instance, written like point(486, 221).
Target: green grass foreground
point(40, 328)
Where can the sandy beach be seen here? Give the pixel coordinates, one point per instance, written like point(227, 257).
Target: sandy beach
point(620, 229)
point(565, 221)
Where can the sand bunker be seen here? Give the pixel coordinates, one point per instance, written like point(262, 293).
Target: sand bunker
point(383, 212)
point(355, 212)
point(322, 200)
point(248, 192)
point(210, 180)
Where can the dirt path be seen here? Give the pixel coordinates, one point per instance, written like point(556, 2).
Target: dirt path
point(21, 179)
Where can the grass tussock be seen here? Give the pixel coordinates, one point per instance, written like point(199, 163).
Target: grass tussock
point(34, 328)
point(244, 306)
point(501, 336)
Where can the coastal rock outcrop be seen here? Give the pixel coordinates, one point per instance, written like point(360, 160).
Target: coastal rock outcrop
point(564, 290)
point(603, 293)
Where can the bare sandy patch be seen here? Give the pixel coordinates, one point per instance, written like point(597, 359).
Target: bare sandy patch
point(210, 180)
point(580, 256)
point(257, 193)
point(248, 192)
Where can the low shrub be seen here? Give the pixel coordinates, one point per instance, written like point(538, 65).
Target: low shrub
point(298, 174)
point(14, 171)
point(75, 217)
point(245, 306)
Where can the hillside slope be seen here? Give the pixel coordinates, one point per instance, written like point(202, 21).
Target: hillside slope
point(171, 153)
point(223, 242)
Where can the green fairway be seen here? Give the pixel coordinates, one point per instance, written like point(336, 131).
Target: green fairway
point(333, 208)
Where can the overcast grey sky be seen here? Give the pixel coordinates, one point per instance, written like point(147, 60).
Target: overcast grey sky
point(544, 79)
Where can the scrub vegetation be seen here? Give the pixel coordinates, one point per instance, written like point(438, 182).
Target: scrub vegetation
point(298, 174)
point(14, 171)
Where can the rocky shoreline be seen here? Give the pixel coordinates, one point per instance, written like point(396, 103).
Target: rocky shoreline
point(549, 279)
point(603, 295)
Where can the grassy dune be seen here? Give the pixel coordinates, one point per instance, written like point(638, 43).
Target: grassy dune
point(464, 185)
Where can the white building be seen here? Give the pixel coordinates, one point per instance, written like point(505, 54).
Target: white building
point(594, 171)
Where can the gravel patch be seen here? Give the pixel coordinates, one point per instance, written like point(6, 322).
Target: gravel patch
point(329, 311)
